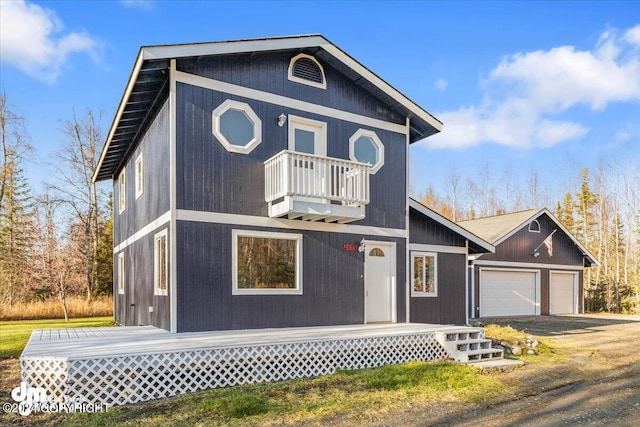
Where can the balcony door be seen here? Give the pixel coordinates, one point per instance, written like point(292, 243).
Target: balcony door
point(309, 137)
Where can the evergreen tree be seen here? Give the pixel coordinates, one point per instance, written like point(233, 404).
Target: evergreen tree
point(16, 220)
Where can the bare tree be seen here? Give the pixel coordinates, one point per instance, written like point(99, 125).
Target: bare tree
point(78, 160)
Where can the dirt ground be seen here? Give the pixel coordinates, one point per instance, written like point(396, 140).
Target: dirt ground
point(597, 385)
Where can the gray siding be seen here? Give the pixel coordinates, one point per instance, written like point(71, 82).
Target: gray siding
point(212, 179)
point(154, 200)
point(449, 306)
point(132, 307)
point(520, 246)
point(425, 230)
point(333, 283)
point(267, 71)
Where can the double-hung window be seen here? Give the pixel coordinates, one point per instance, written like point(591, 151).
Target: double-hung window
point(424, 274)
point(160, 263)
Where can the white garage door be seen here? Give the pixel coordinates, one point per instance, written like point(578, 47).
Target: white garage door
point(507, 293)
point(562, 298)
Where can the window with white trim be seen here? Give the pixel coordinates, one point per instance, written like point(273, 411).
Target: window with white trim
point(266, 263)
point(424, 274)
point(366, 147)
point(160, 263)
point(237, 127)
point(121, 273)
point(139, 176)
point(307, 70)
point(122, 190)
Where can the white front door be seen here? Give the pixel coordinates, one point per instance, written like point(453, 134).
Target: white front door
point(379, 266)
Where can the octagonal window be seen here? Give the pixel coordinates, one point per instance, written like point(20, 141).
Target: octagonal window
point(237, 126)
point(366, 147)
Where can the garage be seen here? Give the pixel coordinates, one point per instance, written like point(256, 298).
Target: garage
point(508, 293)
point(562, 293)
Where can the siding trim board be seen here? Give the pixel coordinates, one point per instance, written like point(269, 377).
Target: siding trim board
point(272, 98)
point(153, 225)
point(437, 248)
point(173, 229)
point(292, 224)
point(526, 265)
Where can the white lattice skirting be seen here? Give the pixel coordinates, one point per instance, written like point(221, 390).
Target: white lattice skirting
point(134, 378)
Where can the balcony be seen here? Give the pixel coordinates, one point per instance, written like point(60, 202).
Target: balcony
point(316, 188)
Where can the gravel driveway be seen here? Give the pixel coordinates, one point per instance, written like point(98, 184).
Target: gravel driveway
point(598, 385)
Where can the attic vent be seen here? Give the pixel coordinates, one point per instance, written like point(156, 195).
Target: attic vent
point(307, 70)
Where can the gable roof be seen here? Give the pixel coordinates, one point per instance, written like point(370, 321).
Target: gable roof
point(476, 244)
point(149, 79)
point(498, 228)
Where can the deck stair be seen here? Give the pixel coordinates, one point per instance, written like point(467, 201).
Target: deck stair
point(469, 345)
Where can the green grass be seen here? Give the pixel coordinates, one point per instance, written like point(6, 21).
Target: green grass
point(352, 397)
point(14, 334)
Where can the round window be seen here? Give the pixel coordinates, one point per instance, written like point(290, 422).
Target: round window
point(366, 147)
point(237, 127)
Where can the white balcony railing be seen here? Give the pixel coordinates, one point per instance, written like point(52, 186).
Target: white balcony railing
point(293, 176)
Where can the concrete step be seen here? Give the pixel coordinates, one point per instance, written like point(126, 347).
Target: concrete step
point(469, 346)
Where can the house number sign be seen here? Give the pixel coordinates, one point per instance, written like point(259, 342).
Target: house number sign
point(350, 247)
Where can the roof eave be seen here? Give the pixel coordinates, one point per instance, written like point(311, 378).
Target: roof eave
point(451, 225)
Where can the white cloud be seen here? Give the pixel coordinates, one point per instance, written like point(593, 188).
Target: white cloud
point(441, 84)
point(138, 4)
point(632, 36)
point(527, 93)
point(31, 40)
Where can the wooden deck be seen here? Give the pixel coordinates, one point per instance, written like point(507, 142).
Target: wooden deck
point(119, 365)
point(80, 343)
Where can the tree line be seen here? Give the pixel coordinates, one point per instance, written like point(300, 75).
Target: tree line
point(57, 242)
point(601, 208)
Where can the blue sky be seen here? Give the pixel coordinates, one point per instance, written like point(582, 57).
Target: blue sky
point(553, 86)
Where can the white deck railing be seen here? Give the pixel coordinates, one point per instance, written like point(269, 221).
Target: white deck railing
point(290, 173)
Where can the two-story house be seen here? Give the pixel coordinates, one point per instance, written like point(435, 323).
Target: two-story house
point(264, 184)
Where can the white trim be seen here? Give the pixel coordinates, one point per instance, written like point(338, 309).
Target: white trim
point(284, 101)
point(466, 285)
point(451, 225)
point(139, 176)
point(270, 235)
point(121, 273)
point(576, 289)
point(474, 308)
point(528, 265)
point(392, 272)
point(231, 104)
point(537, 290)
point(407, 261)
point(122, 190)
point(297, 79)
point(376, 141)
point(234, 46)
point(423, 294)
point(534, 231)
point(438, 248)
point(162, 219)
point(291, 224)
point(156, 263)
point(317, 127)
point(173, 241)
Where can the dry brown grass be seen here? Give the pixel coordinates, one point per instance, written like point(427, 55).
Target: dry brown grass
point(52, 309)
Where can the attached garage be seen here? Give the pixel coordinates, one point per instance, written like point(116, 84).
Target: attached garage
point(509, 292)
point(563, 292)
